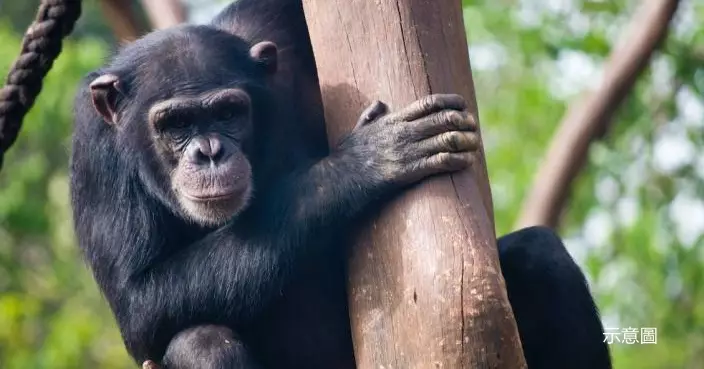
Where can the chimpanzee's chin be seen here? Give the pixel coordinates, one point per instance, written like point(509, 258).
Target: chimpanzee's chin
point(216, 210)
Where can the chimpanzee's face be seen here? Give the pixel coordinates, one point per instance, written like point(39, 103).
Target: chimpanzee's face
point(201, 138)
point(192, 97)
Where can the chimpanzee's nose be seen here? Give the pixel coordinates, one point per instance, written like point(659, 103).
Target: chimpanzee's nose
point(203, 150)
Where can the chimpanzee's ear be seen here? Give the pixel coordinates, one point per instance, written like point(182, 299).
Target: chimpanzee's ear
point(265, 54)
point(105, 91)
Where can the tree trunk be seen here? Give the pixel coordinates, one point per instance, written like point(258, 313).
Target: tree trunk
point(426, 290)
point(589, 118)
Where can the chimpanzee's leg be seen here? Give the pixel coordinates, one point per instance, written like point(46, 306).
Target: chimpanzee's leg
point(557, 320)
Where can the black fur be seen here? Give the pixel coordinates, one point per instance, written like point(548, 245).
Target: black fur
point(275, 273)
point(557, 320)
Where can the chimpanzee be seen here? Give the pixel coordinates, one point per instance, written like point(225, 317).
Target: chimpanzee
point(214, 218)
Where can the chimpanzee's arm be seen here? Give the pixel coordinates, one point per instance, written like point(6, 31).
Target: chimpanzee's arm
point(233, 273)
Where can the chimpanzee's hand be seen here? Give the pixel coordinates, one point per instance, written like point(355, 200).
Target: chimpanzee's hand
point(431, 136)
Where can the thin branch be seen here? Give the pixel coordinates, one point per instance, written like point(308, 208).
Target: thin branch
point(164, 13)
point(588, 119)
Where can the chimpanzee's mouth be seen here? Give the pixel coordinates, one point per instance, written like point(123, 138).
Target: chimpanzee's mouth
point(212, 197)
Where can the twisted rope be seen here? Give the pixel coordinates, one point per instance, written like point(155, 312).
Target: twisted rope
point(40, 47)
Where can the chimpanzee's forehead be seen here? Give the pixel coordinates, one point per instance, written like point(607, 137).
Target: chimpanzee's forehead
point(188, 66)
point(189, 57)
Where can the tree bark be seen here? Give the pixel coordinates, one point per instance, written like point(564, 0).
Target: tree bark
point(120, 15)
point(426, 289)
point(588, 119)
point(164, 13)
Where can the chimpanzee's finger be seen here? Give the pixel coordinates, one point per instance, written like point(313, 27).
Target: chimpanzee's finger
point(453, 141)
point(441, 122)
point(375, 110)
point(428, 105)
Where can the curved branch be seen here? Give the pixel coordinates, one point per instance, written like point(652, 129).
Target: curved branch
point(588, 119)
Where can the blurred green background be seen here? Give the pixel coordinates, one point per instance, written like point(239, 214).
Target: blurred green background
point(635, 221)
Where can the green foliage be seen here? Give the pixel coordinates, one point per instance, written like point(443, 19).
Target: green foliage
point(630, 221)
point(19, 14)
point(626, 212)
point(51, 313)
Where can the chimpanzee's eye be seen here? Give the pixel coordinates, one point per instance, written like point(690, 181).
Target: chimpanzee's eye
point(179, 123)
point(225, 113)
point(175, 122)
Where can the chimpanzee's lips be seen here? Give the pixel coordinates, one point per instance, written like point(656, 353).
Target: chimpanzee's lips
point(216, 196)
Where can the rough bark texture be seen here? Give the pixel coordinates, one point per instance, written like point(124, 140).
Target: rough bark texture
point(588, 119)
point(121, 17)
point(426, 290)
point(164, 13)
